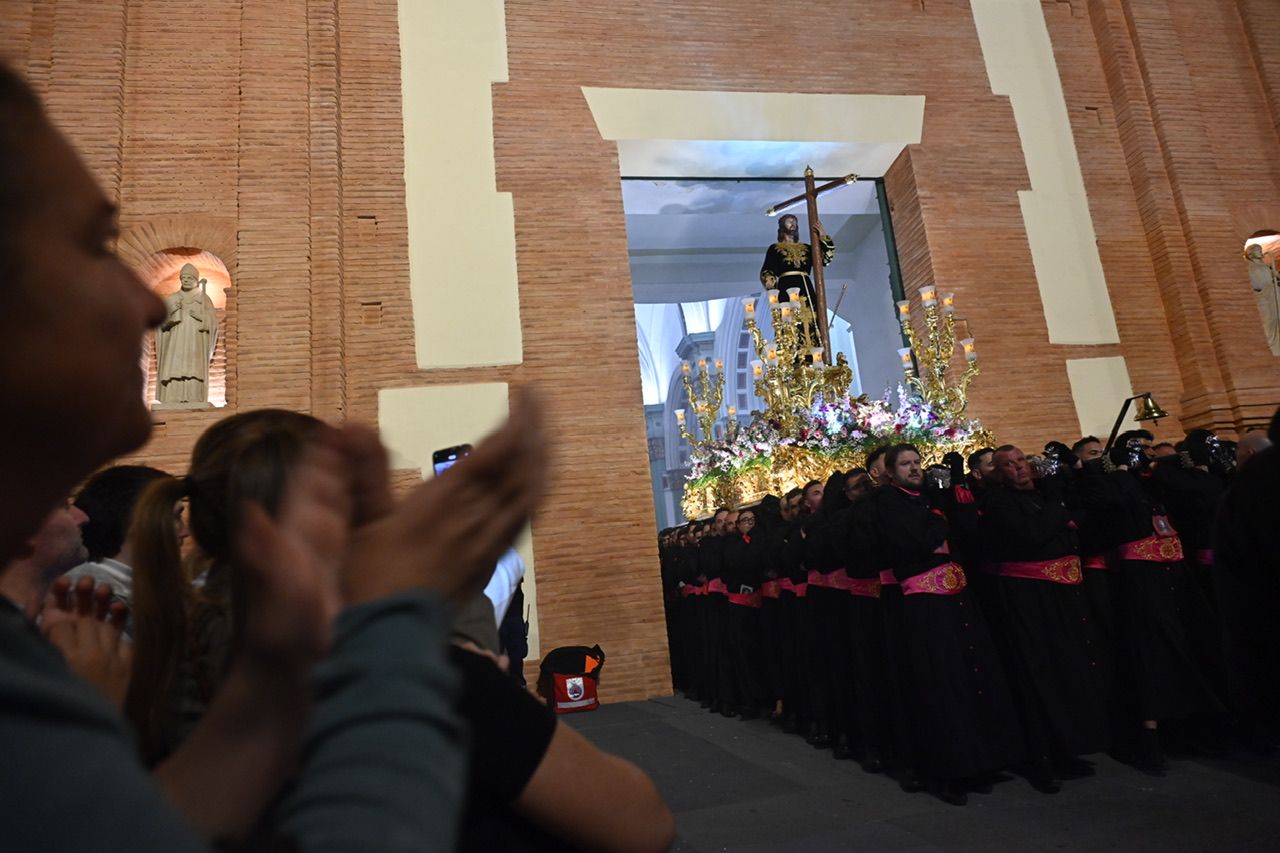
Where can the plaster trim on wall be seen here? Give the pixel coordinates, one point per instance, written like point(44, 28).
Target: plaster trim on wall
point(1064, 249)
point(416, 421)
point(451, 54)
point(680, 133)
point(1098, 386)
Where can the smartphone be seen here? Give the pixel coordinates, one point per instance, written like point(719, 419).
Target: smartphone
point(447, 457)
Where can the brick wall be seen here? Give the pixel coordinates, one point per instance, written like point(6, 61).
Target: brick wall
point(269, 133)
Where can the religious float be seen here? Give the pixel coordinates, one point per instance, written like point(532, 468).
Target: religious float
point(811, 425)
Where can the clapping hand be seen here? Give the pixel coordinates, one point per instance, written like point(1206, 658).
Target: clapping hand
point(87, 626)
point(449, 532)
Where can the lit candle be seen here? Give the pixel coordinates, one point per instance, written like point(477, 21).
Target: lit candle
point(904, 309)
point(948, 303)
point(733, 412)
point(786, 310)
point(928, 295)
point(680, 416)
point(749, 307)
point(970, 353)
point(684, 368)
point(702, 365)
point(794, 293)
point(773, 356)
point(905, 355)
point(773, 297)
point(757, 368)
point(817, 355)
point(719, 365)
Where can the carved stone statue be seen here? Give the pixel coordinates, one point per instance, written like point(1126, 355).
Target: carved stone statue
point(185, 342)
point(1266, 291)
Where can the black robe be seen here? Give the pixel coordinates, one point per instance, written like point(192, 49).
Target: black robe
point(962, 714)
point(1162, 668)
point(1055, 653)
point(1247, 573)
point(789, 265)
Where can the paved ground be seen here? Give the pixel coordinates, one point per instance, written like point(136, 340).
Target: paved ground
point(747, 786)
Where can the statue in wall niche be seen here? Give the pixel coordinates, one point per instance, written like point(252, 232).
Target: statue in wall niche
point(1266, 292)
point(185, 341)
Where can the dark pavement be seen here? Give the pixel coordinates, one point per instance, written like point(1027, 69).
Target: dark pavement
point(737, 785)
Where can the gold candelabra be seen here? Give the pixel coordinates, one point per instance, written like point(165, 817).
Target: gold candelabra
point(932, 355)
point(791, 371)
point(705, 394)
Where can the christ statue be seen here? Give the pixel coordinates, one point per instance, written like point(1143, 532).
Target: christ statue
point(788, 262)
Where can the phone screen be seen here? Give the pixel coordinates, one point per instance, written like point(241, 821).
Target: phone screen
point(447, 457)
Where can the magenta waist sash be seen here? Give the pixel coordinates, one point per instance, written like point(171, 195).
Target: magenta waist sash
point(866, 587)
point(817, 578)
point(717, 585)
point(1062, 570)
point(745, 599)
point(1152, 549)
point(1095, 561)
point(887, 578)
point(947, 579)
point(798, 589)
point(771, 589)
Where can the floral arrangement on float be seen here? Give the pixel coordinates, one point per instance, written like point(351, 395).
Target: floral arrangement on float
point(811, 425)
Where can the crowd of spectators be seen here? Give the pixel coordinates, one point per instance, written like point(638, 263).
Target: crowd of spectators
point(272, 651)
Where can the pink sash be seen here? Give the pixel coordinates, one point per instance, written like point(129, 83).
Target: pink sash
point(1153, 549)
point(798, 589)
point(717, 585)
point(866, 587)
point(1205, 556)
point(817, 578)
point(771, 589)
point(1096, 561)
point(947, 579)
point(1062, 570)
point(745, 599)
point(887, 578)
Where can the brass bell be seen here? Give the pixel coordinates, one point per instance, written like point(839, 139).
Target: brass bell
point(1149, 409)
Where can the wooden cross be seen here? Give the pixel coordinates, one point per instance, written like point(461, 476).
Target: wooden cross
point(810, 198)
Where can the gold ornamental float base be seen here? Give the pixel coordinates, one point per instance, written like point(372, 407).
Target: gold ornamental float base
point(789, 467)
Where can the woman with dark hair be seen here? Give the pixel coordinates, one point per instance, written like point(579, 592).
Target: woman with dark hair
point(185, 635)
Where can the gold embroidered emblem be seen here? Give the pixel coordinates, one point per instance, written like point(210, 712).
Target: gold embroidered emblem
point(797, 254)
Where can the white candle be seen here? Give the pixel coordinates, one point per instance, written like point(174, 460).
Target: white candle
point(970, 352)
point(928, 295)
point(719, 365)
point(817, 355)
point(948, 303)
point(680, 416)
point(749, 306)
point(733, 412)
point(794, 293)
point(905, 355)
point(757, 368)
point(684, 368)
point(904, 309)
point(773, 297)
point(702, 364)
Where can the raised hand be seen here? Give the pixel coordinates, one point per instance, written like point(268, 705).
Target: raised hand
point(448, 534)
